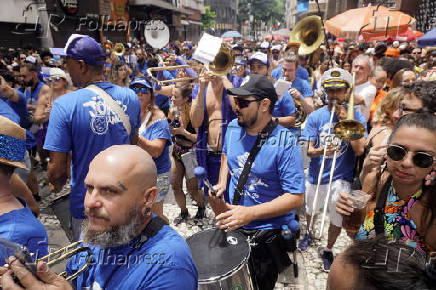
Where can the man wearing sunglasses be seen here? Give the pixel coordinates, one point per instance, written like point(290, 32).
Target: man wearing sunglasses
point(84, 122)
point(319, 133)
point(275, 183)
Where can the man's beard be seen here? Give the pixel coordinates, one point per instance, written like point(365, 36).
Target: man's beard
point(28, 84)
point(116, 235)
point(249, 122)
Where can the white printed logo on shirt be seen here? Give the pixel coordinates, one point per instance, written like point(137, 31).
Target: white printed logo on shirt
point(252, 179)
point(102, 115)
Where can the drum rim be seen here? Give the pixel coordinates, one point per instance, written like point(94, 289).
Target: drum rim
point(227, 274)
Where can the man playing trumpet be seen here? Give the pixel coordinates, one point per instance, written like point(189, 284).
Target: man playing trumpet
point(319, 133)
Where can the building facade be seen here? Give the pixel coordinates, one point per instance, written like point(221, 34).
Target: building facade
point(293, 15)
point(192, 22)
point(226, 15)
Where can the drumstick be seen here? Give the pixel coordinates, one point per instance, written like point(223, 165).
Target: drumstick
point(201, 174)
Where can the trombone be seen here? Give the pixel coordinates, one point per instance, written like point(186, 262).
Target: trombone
point(346, 130)
point(65, 253)
point(221, 66)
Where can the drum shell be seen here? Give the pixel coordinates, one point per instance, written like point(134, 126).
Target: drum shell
point(237, 278)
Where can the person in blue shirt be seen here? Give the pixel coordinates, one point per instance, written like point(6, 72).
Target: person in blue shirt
point(155, 138)
point(17, 222)
point(302, 73)
point(141, 64)
point(318, 133)
point(275, 184)
point(131, 247)
point(84, 123)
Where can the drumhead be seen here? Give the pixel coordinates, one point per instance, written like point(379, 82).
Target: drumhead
point(217, 253)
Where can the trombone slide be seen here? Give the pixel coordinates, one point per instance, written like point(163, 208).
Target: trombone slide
point(329, 189)
point(174, 67)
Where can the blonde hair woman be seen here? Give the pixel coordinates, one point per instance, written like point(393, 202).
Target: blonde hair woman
point(119, 74)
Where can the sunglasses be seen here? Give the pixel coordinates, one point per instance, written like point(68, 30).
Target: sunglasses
point(143, 90)
point(242, 103)
point(420, 159)
point(53, 79)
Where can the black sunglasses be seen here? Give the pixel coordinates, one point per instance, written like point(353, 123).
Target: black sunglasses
point(242, 103)
point(420, 159)
point(143, 90)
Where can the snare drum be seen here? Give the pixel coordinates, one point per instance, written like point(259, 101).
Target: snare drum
point(221, 259)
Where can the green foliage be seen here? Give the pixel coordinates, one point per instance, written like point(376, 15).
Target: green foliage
point(208, 18)
point(270, 12)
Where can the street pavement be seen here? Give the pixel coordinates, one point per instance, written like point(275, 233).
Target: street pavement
point(310, 273)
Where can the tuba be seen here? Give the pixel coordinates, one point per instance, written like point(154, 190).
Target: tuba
point(223, 62)
point(308, 32)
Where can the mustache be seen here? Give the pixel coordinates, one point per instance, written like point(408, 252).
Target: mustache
point(95, 213)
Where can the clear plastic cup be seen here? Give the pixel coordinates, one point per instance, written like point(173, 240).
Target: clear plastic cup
point(353, 222)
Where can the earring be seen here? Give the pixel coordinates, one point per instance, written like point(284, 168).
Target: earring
point(147, 212)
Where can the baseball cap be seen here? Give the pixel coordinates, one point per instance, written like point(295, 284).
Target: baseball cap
point(30, 59)
point(140, 81)
point(238, 47)
point(57, 72)
point(260, 56)
point(264, 44)
point(83, 47)
point(276, 47)
point(336, 78)
point(257, 85)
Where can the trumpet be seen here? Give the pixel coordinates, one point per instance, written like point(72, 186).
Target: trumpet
point(118, 49)
point(65, 253)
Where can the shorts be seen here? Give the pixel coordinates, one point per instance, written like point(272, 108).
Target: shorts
point(163, 185)
point(337, 187)
point(23, 173)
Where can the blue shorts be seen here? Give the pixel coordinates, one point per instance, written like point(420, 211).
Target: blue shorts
point(213, 164)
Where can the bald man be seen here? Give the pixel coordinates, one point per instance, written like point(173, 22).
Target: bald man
point(132, 249)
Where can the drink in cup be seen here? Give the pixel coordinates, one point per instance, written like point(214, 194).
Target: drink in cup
point(359, 200)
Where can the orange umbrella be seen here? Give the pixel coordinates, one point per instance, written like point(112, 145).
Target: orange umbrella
point(370, 22)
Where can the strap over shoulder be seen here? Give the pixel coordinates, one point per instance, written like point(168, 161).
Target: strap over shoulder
point(113, 105)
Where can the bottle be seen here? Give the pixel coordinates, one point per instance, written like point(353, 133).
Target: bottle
point(286, 233)
point(176, 123)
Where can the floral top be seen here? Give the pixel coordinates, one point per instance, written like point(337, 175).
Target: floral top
point(398, 223)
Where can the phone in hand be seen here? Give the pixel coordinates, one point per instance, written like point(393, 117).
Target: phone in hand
point(9, 248)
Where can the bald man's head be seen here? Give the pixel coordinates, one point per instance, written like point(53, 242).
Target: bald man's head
point(129, 163)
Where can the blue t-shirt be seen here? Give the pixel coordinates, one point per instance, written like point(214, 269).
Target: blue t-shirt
point(277, 169)
point(301, 73)
point(20, 108)
point(284, 107)
point(22, 227)
point(317, 130)
point(7, 112)
point(163, 262)
point(83, 123)
point(159, 129)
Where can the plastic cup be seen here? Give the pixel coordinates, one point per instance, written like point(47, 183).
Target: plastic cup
point(353, 222)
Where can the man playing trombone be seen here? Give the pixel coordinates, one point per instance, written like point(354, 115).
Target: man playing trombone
point(319, 133)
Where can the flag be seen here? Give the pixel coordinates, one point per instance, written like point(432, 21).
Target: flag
point(303, 6)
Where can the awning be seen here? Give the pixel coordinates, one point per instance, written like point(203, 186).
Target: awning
point(184, 22)
point(196, 22)
point(158, 3)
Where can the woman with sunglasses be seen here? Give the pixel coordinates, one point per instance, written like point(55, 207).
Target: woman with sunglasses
point(185, 137)
point(155, 138)
point(406, 205)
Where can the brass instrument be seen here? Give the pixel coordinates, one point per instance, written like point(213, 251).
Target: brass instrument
point(65, 253)
point(308, 32)
point(118, 49)
point(223, 62)
point(300, 114)
point(350, 129)
point(221, 66)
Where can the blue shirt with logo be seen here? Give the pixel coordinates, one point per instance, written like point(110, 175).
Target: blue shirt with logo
point(277, 169)
point(163, 262)
point(160, 129)
point(317, 130)
point(81, 122)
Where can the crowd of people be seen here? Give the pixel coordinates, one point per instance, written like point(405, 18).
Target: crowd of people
point(96, 117)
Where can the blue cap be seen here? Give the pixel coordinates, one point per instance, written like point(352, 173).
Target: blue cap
point(83, 47)
point(188, 45)
point(141, 81)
